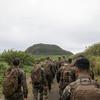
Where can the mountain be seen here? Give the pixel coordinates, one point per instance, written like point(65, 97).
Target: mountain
point(47, 49)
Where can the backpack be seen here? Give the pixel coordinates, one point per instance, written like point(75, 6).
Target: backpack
point(66, 75)
point(86, 89)
point(10, 83)
point(37, 75)
point(48, 69)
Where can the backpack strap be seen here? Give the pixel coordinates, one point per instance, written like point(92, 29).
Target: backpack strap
point(85, 81)
point(42, 76)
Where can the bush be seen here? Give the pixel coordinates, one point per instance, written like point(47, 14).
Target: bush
point(3, 67)
point(28, 69)
point(26, 59)
point(95, 63)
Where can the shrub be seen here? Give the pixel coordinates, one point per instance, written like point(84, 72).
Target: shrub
point(26, 59)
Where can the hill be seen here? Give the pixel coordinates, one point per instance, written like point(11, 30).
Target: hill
point(47, 49)
point(93, 50)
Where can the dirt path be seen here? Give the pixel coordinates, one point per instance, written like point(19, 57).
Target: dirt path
point(53, 95)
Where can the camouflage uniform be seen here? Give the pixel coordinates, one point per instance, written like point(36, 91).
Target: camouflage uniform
point(56, 66)
point(40, 86)
point(63, 82)
point(53, 69)
point(22, 91)
point(49, 71)
point(68, 91)
point(59, 63)
point(38, 89)
point(64, 59)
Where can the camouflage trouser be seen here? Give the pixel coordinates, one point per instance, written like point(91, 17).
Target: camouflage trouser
point(16, 96)
point(39, 92)
point(49, 81)
point(62, 86)
point(60, 93)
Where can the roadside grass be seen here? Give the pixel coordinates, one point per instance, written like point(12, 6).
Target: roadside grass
point(3, 67)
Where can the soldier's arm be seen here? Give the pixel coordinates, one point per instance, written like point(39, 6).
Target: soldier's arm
point(24, 84)
point(44, 78)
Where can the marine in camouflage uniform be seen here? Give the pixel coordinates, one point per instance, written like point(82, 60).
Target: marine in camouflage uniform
point(22, 91)
point(92, 65)
point(65, 80)
point(40, 86)
point(82, 66)
point(64, 59)
point(49, 72)
point(59, 63)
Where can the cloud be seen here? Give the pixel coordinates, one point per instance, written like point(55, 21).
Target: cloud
point(72, 24)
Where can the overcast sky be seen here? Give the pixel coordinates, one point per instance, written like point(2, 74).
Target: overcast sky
point(71, 24)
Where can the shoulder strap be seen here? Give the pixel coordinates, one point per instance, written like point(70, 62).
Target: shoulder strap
point(85, 81)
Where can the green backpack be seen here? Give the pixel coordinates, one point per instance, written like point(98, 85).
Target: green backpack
point(10, 83)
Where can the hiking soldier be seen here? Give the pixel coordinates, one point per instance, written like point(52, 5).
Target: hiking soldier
point(66, 65)
point(59, 63)
point(66, 75)
point(14, 84)
point(55, 66)
point(91, 71)
point(39, 83)
point(64, 59)
point(84, 88)
point(53, 69)
point(49, 71)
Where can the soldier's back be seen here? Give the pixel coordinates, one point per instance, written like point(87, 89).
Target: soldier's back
point(83, 89)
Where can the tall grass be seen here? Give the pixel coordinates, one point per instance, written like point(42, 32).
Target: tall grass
point(3, 67)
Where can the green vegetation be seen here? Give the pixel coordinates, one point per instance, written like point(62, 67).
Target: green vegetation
point(47, 49)
point(93, 53)
point(28, 69)
point(3, 67)
point(95, 60)
point(8, 56)
point(93, 50)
